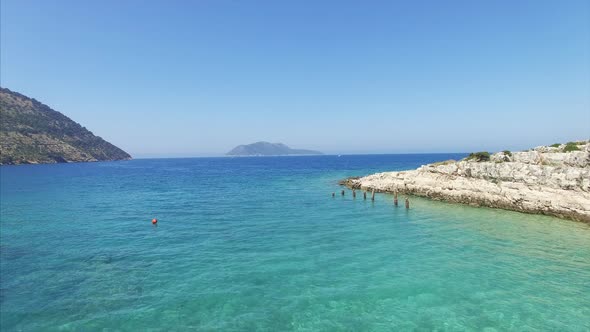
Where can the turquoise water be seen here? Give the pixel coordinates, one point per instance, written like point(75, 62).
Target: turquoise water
point(247, 244)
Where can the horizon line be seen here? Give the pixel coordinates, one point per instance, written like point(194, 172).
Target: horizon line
point(295, 155)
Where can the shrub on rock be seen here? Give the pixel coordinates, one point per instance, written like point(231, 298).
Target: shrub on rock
point(479, 156)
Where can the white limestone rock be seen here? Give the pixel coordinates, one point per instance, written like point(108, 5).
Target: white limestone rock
point(544, 180)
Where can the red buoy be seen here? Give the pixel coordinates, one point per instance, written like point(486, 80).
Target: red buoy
point(154, 221)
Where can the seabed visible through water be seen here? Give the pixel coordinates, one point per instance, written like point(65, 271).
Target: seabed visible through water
point(260, 244)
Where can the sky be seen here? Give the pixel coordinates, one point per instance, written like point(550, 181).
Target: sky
point(196, 78)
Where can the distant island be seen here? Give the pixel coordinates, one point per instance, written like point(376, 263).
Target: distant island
point(552, 180)
point(268, 149)
point(33, 133)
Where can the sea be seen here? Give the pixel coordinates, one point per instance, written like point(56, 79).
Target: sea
point(260, 244)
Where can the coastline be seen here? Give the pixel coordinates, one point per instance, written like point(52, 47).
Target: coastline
point(545, 180)
point(53, 162)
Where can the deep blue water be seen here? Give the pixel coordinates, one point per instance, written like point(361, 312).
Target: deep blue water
point(247, 244)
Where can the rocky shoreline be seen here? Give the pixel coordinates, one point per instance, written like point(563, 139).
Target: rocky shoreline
point(550, 180)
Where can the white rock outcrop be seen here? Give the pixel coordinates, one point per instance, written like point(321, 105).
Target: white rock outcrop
point(544, 180)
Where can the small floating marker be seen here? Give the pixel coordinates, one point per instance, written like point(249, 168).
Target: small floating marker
point(373, 195)
point(342, 192)
point(353, 193)
point(407, 203)
point(154, 221)
point(364, 195)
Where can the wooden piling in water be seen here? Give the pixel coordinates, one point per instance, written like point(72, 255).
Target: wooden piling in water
point(373, 195)
point(353, 193)
point(343, 192)
point(395, 198)
point(333, 194)
point(364, 195)
point(407, 203)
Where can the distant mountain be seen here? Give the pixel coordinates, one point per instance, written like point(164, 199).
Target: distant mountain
point(33, 133)
point(268, 149)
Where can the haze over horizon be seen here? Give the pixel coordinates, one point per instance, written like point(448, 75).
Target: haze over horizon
point(177, 78)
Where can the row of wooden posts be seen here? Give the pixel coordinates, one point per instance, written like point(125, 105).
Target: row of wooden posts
point(373, 197)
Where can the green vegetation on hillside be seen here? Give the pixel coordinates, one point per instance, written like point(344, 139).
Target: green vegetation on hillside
point(479, 156)
point(571, 146)
point(31, 132)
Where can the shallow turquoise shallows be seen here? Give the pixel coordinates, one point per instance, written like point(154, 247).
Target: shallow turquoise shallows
point(245, 244)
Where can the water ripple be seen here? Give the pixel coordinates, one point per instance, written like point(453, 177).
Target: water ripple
point(259, 244)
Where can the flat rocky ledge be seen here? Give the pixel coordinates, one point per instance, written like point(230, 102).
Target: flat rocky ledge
point(544, 180)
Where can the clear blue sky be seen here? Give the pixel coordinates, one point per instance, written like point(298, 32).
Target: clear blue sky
point(183, 78)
